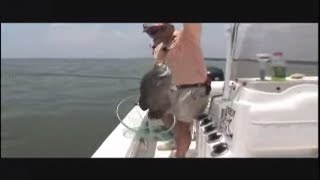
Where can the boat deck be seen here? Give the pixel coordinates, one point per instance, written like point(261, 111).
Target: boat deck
point(121, 145)
point(166, 154)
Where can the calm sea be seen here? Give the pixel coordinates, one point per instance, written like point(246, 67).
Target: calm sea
point(66, 107)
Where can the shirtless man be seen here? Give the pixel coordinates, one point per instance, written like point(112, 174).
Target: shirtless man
point(181, 52)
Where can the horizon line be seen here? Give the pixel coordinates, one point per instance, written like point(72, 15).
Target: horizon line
point(92, 58)
point(105, 58)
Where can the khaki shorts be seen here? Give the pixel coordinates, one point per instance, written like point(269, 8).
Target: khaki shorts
point(188, 103)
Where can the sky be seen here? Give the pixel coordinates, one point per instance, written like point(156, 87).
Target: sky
point(93, 40)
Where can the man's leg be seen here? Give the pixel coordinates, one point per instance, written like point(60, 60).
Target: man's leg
point(191, 103)
point(168, 120)
point(182, 138)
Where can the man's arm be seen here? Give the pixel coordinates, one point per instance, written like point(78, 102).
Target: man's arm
point(192, 30)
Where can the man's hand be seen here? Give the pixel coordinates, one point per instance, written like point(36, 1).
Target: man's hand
point(192, 30)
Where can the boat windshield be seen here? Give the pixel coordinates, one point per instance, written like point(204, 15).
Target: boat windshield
point(297, 41)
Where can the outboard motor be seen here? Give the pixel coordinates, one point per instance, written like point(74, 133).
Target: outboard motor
point(215, 74)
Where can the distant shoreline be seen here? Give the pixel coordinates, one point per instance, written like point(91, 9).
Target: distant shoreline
point(145, 58)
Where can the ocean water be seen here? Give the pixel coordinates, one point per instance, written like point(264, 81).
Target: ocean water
point(66, 107)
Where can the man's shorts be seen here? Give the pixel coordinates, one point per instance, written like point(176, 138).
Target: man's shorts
point(188, 103)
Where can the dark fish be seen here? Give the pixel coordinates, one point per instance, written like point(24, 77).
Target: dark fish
point(154, 91)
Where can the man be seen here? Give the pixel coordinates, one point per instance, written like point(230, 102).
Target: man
point(181, 52)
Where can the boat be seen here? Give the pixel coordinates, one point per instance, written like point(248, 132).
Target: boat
point(246, 117)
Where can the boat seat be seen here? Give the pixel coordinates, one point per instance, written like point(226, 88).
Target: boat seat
point(279, 122)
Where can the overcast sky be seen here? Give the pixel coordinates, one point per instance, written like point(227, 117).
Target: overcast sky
point(100, 40)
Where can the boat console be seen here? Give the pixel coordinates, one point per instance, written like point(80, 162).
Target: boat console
point(262, 119)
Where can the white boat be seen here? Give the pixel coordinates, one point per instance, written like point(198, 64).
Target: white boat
point(255, 118)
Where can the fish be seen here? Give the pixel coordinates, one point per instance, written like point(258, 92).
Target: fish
point(155, 88)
